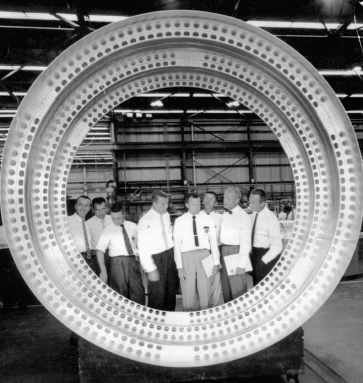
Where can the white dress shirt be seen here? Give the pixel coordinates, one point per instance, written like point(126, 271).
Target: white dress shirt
point(285, 217)
point(217, 218)
point(96, 227)
point(76, 226)
point(184, 236)
point(267, 234)
point(3, 240)
point(112, 238)
point(150, 238)
point(236, 230)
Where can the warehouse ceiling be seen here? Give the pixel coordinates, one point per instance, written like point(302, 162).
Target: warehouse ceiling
point(326, 32)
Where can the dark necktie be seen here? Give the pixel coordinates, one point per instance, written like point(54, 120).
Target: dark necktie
point(88, 249)
point(196, 242)
point(253, 230)
point(127, 241)
point(165, 238)
point(228, 211)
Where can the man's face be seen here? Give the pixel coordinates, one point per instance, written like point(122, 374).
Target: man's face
point(117, 218)
point(209, 202)
point(193, 205)
point(230, 200)
point(100, 210)
point(161, 205)
point(83, 206)
point(255, 203)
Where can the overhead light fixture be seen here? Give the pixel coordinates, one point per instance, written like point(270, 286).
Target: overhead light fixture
point(157, 103)
point(27, 67)
point(49, 17)
point(358, 71)
point(233, 104)
point(113, 18)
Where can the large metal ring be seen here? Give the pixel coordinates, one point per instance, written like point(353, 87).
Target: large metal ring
point(207, 51)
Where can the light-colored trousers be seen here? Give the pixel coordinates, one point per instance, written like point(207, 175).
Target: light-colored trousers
point(196, 287)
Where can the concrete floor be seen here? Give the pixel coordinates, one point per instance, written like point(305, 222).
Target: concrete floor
point(34, 346)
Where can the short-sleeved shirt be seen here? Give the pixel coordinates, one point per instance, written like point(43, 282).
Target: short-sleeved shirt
point(112, 238)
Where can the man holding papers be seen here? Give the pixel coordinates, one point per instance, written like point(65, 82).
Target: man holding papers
point(266, 238)
point(236, 245)
point(210, 201)
point(194, 240)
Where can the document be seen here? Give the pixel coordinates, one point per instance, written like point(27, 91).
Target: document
point(231, 262)
point(208, 264)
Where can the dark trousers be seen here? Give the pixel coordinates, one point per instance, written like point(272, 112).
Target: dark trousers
point(233, 286)
point(162, 294)
point(13, 289)
point(125, 278)
point(92, 263)
point(260, 269)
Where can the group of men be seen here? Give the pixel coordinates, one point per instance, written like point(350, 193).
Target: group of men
point(209, 253)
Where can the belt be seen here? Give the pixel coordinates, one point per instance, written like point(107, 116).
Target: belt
point(85, 254)
point(126, 256)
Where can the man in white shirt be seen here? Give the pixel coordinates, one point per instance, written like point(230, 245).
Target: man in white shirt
point(81, 232)
point(124, 273)
point(286, 214)
point(266, 237)
point(155, 243)
point(210, 201)
point(236, 240)
point(97, 223)
point(195, 239)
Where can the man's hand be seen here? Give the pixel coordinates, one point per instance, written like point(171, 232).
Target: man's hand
point(154, 276)
point(104, 276)
point(181, 274)
point(240, 271)
point(215, 269)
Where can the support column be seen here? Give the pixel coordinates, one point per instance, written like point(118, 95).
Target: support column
point(250, 158)
point(167, 160)
point(183, 157)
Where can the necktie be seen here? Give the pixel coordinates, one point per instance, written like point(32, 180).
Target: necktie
point(127, 241)
point(165, 238)
point(253, 230)
point(103, 223)
point(228, 211)
point(196, 242)
point(88, 250)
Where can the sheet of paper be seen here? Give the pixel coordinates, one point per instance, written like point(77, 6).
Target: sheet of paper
point(208, 264)
point(231, 262)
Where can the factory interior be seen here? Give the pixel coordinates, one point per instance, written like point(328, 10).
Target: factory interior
point(181, 139)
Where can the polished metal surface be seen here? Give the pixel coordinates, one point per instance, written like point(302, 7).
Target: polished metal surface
point(208, 51)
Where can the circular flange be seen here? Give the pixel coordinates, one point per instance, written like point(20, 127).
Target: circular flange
point(172, 49)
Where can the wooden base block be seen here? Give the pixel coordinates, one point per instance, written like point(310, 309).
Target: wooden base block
point(97, 365)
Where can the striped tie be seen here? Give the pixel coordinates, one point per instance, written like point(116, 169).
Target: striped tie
point(88, 250)
point(127, 241)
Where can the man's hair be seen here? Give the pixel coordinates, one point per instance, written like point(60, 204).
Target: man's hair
point(83, 196)
point(213, 193)
point(191, 195)
point(261, 193)
point(156, 194)
point(235, 190)
point(98, 201)
point(117, 207)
